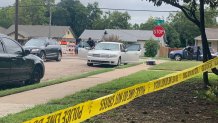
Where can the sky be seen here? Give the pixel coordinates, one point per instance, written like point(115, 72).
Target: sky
point(136, 17)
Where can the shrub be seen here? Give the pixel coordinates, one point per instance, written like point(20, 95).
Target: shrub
point(151, 47)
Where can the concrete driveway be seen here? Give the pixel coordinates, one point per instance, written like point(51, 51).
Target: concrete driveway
point(69, 65)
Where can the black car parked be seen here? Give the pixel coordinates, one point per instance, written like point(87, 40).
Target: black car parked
point(17, 65)
point(44, 48)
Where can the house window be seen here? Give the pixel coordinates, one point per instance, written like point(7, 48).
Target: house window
point(68, 32)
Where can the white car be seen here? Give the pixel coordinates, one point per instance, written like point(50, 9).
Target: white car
point(111, 53)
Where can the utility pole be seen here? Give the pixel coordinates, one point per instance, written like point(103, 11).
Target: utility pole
point(50, 15)
point(16, 21)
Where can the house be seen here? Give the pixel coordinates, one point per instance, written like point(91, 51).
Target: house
point(126, 36)
point(26, 32)
point(212, 37)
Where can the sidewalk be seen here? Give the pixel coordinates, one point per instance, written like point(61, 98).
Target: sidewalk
point(22, 101)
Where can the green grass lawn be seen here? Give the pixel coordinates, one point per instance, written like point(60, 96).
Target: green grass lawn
point(175, 65)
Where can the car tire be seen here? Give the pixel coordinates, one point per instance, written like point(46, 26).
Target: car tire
point(90, 64)
point(119, 61)
point(43, 56)
point(59, 57)
point(178, 57)
point(36, 76)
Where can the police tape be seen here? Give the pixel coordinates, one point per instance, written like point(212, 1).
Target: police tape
point(86, 110)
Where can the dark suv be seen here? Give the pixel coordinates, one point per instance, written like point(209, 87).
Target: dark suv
point(17, 65)
point(44, 48)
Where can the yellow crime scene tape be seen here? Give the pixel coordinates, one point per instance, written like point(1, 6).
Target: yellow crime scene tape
point(86, 110)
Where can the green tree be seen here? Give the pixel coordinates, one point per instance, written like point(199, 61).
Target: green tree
point(7, 16)
point(135, 26)
point(188, 30)
point(151, 47)
point(30, 13)
point(94, 15)
point(190, 9)
point(119, 20)
point(149, 24)
point(114, 20)
point(171, 36)
point(75, 14)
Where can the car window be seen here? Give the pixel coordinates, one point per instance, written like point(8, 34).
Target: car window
point(1, 48)
point(133, 47)
point(107, 46)
point(11, 46)
point(35, 42)
point(122, 47)
point(53, 42)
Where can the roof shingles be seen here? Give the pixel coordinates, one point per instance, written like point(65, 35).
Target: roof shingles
point(40, 30)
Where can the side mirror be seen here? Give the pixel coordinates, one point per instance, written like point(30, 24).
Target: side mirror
point(125, 50)
point(27, 52)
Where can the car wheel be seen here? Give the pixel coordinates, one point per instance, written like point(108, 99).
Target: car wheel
point(59, 57)
point(119, 62)
point(90, 64)
point(43, 56)
point(178, 57)
point(36, 76)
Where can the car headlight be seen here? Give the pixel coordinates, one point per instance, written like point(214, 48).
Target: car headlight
point(113, 56)
point(34, 50)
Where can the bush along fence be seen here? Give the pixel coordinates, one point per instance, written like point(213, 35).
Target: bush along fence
point(86, 110)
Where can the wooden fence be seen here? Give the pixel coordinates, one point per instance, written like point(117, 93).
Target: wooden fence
point(164, 51)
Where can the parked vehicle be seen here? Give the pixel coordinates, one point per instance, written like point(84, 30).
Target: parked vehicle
point(178, 55)
point(17, 64)
point(44, 48)
point(111, 53)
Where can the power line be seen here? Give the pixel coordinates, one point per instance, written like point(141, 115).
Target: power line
point(113, 9)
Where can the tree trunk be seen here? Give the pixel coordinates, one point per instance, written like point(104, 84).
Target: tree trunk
point(205, 45)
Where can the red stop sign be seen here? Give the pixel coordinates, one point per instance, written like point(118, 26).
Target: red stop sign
point(158, 31)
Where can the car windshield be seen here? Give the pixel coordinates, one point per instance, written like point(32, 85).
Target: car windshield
point(107, 46)
point(35, 42)
point(133, 47)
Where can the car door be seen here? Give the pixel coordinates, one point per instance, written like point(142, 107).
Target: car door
point(5, 65)
point(133, 53)
point(52, 49)
point(19, 68)
point(48, 49)
point(123, 53)
point(83, 50)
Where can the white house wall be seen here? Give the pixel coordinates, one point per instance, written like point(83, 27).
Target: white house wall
point(214, 44)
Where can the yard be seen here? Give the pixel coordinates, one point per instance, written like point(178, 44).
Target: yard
point(186, 102)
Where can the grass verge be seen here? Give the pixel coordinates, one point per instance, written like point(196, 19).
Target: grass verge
point(175, 65)
point(88, 94)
